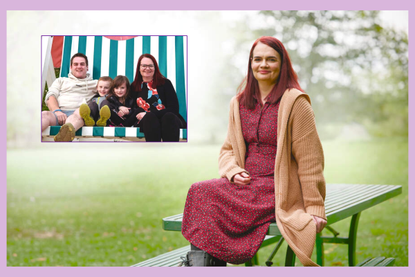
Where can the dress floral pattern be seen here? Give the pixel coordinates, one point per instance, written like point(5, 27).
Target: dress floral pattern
point(229, 221)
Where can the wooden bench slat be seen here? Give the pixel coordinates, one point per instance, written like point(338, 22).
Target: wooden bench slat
point(172, 258)
point(378, 261)
point(387, 262)
point(168, 259)
point(347, 211)
point(351, 192)
point(332, 206)
point(374, 261)
point(341, 195)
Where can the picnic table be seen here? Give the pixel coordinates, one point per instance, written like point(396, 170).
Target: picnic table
point(342, 201)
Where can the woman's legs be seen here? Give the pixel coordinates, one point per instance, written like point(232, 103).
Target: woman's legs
point(131, 119)
point(170, 127)
point(198, 257)
point(192, 247)
point(227, 221)
point(150, 126)
point(154, 129)
point(216, 261)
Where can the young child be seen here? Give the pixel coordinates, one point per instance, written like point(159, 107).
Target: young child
point(120, 104)
point(91, 113)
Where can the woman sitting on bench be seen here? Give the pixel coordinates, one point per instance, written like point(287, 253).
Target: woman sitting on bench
point(271, 166)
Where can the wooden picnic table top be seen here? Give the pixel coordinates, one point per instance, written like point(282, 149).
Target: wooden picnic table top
point(342, 201)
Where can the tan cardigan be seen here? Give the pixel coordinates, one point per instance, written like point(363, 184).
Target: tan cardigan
point(299, 182)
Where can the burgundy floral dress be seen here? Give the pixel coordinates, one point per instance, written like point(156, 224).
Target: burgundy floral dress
point(228, 221)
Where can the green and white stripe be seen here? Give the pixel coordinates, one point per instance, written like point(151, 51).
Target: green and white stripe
point(119, 57)
point(106, 132)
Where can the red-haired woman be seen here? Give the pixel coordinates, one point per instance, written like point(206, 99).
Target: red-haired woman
point(271, 166)
point(156, 102)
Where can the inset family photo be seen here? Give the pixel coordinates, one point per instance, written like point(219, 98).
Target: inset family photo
point(114, 88)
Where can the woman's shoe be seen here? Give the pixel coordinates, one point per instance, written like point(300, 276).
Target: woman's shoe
point(104, 114)
point(196, 258)
point(85, 113)
point(200, 258)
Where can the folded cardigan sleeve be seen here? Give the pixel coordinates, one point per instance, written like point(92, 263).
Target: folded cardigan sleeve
point(228, 165)
point(308, 153)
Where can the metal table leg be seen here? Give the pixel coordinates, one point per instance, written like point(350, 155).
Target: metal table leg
point(350, 241)
point(352, 238)
point(290, 257)
point(253, 261)
point(320, 250)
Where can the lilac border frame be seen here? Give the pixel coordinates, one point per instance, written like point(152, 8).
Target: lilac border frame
point(210, 5)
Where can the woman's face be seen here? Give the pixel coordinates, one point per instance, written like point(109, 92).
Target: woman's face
point(266, 63)
point(147, 69)
point(121, 90)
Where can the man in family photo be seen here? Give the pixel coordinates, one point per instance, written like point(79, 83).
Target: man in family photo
point(66, 95)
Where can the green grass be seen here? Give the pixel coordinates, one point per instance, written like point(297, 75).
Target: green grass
point(102, 204)
point(383, 229)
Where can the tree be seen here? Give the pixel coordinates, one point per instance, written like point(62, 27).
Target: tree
point(354, 69)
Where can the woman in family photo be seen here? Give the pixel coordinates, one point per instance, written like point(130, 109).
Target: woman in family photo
point(158, 107)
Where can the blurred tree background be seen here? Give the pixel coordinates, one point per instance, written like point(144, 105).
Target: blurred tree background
point(353, 64)
point(354, 68)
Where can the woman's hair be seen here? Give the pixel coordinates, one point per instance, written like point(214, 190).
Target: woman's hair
point(158, 78)
point(118, 81)
point(249, 93)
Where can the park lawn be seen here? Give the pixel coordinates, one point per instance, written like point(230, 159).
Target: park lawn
point(102, 204)
point(383, 229)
